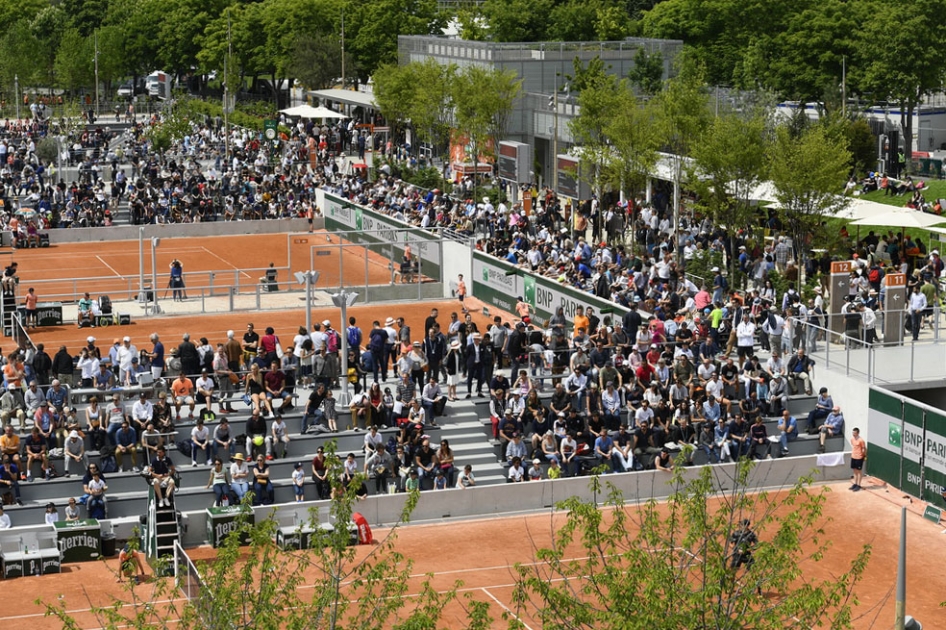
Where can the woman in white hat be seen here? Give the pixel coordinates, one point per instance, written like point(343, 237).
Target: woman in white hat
point(452, 362)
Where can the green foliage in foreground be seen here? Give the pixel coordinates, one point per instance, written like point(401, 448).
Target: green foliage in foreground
point(669, 565)
point(611, 565)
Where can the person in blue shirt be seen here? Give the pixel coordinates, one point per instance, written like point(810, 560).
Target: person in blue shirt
point(157, 356)
point(788, 427)
point(823, 407)
point(833, 425)
point(604, 451)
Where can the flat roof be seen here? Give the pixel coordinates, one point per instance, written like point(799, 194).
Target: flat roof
point(349, 97)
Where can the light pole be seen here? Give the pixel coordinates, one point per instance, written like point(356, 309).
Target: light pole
point(16, 94)
point(309, 279)
point(141, 266)
point(343, 299)
point(155, 241)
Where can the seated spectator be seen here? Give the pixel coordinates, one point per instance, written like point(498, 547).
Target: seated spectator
point(74, 452)
point(35, 446)
point(799, 369)
point(833, 425)
point(760, 447)
point(788, 431)
point(823, 406)
point(126, 442)
point(162, 475)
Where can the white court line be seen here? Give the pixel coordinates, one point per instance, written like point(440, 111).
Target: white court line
point(506, 608)
point(110, 267)
point(225, 261)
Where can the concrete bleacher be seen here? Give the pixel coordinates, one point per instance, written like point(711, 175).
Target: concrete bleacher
point(466, 427)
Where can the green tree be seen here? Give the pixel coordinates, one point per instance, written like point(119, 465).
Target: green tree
point(615, 566)
point(263, 587)
point(483, 100)
point(862, 145)
point(74, 63)
point(599, 100)
point(803, 61)
point(633, 143)
point(648, 71)
point(682, 116)
point(394, 90)
point(718, 33)
point(899, 66)
point(432, 102)
point(20, 52)
point(729, 161)
point(372, 27)
point(807, 172)
point(316, 60)
point(518, 20)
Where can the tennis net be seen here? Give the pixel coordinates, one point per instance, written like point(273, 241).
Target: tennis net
point(186, 575)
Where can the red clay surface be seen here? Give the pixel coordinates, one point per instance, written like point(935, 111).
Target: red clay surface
point(112, 267)
point(481, 553)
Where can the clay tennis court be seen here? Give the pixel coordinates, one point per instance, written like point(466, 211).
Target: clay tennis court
point(481, 553)
point(112, 267)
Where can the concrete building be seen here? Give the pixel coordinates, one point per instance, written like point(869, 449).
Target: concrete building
point(543, 68)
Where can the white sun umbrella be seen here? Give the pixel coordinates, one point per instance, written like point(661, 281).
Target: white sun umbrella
point(307, 111)
point(901, 218)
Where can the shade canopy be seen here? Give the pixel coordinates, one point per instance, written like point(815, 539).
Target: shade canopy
point(307, 111)
point(901, 218)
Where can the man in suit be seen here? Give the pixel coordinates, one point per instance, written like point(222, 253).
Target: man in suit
point(477, 356)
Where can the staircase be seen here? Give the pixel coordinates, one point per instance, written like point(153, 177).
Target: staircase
point(8, 310)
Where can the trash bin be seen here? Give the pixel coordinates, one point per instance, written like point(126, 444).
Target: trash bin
point(108, 544)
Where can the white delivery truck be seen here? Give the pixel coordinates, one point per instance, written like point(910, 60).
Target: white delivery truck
point(158, 85)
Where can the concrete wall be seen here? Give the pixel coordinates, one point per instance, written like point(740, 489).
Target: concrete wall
point(457, 259)
point(384, 510)
point(396, 292)
point(850, 393)
point(214, 228)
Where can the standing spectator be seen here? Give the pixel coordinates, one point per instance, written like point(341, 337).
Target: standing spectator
point(917, 306)
point(189, 357)
point(476, 356)
point(63, 366)
point(858, 455)
point(156, 355)
point(127, 352)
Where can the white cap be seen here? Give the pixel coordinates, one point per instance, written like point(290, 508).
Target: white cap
point(90, 339)
point(326, 322)
point(127, 338)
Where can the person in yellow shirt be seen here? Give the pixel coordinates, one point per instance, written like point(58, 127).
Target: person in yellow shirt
point(580, 321)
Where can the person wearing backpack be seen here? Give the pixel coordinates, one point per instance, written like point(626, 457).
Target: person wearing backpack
point(353, 335)
point(332, 345)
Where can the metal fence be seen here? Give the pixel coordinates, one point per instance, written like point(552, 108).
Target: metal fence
point(882, 362)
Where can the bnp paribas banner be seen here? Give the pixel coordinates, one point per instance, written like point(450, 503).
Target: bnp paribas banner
point(495, 282)
point(381, 234)
point(907, 445)
point(884, 436)
point(500, 284)
point(934, 458)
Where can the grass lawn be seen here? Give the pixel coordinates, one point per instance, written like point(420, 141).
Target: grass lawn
point(935, 189)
